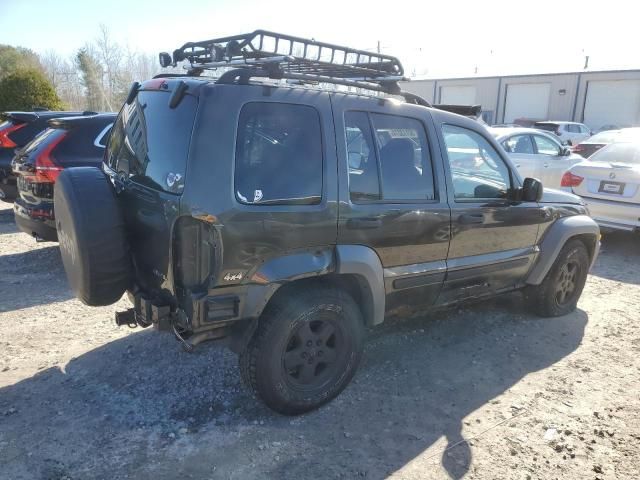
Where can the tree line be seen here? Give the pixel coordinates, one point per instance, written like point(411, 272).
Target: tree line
point(96, 77)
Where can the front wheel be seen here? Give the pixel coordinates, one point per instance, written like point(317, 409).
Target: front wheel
point(560, 290)
point(305, 351)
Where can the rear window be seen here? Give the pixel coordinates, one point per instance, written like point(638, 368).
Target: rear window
point(549, 127)
point(618, 153)
point(605, 137)
point(150, 141)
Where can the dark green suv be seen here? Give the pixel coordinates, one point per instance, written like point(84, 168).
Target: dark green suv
point(284, 218)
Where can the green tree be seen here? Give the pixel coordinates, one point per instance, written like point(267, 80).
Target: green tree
point(26, 89)
point(17, 58)
point(91, 73)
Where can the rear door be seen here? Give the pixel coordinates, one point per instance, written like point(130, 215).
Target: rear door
point(493, 237)
point(522, 152)
point(146, 159)
point(392, 194)
point(551, 161)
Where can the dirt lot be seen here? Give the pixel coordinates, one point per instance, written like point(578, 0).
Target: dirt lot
point(484, 392)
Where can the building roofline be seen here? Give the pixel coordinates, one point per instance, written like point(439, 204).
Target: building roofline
point(491, 77)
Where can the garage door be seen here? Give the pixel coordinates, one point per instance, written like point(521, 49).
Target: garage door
point(612, 102)
point(527, 101)
point(458, 95)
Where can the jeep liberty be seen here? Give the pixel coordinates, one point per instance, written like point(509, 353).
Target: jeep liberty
point(285, 217)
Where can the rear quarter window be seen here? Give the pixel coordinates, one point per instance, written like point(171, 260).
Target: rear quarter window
point(150, 141)
point(278, 154)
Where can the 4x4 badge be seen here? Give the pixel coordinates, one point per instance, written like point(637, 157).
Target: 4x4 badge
point(232, 277)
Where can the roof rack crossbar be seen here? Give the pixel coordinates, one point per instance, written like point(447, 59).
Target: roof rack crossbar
point(387, 85)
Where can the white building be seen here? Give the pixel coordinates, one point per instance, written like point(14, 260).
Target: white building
point(594, 98)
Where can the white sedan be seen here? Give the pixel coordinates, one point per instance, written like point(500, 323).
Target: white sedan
point(609, 183)
point(536, 154)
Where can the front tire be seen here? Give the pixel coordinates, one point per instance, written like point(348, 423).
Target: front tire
point(559, 292)
point(306, 349)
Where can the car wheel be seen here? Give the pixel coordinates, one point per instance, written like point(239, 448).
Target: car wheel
point(559, 292)
point(306, 349)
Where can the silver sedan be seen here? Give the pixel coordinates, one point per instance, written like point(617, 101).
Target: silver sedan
point(536, 154)
point(609, 183)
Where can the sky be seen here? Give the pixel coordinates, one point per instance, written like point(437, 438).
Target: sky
point(432, 39)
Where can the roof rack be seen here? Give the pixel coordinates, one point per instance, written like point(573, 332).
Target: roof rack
point(278, 56)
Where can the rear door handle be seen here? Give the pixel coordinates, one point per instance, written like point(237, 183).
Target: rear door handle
point(471, 218)
point(364, 222)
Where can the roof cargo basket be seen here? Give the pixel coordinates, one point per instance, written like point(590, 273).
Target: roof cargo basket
point(277, 56)
point(274, 55)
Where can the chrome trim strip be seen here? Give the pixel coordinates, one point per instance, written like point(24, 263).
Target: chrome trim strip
point(96, 142)
point(416, 269)
point(490, 258)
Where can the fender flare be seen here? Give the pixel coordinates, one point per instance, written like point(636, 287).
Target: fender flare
point(555, 238)
point(365, 264)
point(357, 260)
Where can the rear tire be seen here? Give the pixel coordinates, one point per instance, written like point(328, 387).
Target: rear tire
point(559, 292)
point(91, 232)
point(307, 347)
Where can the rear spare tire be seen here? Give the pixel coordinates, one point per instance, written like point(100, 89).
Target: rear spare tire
point(91, 232)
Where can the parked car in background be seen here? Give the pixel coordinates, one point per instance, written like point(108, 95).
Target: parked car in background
point(569, 133)
point(602, 139)
point(609, 183)
point(68, 142)
point(16, 130)
point(536, 154)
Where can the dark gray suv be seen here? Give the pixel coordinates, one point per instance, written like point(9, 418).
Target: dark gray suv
point(285, 218)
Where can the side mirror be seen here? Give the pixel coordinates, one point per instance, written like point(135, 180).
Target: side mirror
point(565, 152)
point(165, 59)
point(531, 190)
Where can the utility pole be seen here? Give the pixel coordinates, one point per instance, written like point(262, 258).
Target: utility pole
point(378, 46)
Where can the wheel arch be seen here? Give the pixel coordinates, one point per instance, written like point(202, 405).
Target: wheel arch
point(580, 227)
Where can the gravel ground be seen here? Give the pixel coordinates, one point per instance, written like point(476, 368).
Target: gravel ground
point(488, 391)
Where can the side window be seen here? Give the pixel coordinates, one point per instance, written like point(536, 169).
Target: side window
point(546, 146)
point(518, 144)
point(405, 161)
point(584, 129)
point(278, 154)
point(364, 182)
point(392, 162)
point(476, 167)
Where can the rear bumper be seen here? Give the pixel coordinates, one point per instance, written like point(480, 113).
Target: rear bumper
point(37, 226)
point(614, 215)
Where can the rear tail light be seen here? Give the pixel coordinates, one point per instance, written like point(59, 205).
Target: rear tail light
point(47, 170)
point(5, 141)
point(570, 180)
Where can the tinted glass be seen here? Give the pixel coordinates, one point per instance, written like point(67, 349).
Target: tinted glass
point(150, 141)
point(518, 144)
point(405, 162)
point(549, 127)
point(546, 146)
point(364, 183)
point(476, 167)
point(618, 153)
point(278, 154)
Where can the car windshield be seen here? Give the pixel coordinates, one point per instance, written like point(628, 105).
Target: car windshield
point(619, 153)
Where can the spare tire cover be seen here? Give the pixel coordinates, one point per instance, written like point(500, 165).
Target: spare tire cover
point(92, 237)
